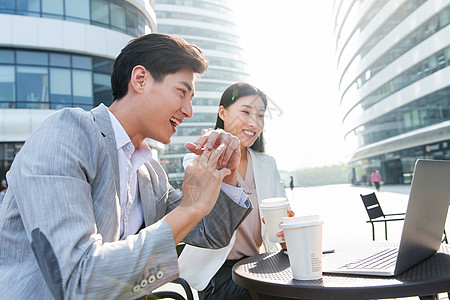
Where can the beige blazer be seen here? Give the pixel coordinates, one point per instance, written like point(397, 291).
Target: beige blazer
point(268, 184)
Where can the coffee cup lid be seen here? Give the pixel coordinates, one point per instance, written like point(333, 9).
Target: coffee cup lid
point(272, 203)
point(300, 221)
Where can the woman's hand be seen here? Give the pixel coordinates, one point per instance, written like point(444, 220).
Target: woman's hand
point(281, 233)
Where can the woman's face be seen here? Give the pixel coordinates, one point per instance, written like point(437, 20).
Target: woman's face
point(244, 119)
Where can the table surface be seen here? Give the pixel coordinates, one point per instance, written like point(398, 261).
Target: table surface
point(270, 274)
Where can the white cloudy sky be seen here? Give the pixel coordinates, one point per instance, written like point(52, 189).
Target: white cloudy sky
point(290, 52)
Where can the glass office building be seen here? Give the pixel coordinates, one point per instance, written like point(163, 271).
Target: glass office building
point(393, 61)
point(59, 53)
point(209, 25)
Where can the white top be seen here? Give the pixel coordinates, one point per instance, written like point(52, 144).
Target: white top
point(130, 160)
point(268, 184)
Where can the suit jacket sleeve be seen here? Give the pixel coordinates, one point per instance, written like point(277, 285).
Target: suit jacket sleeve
point(216, 229)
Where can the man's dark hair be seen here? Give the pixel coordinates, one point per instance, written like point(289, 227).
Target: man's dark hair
point(231, 95)
point(160, 54)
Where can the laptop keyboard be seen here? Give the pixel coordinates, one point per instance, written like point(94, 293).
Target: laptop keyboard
point(383, 259)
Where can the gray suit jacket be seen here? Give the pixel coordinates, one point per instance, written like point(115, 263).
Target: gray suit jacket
point(59, 221)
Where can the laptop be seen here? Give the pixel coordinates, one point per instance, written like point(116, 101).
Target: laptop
point(422, 229)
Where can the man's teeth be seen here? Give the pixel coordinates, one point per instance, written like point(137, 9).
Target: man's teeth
point(248, 132)
point(174, 121)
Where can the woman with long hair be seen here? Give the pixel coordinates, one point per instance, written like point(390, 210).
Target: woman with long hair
point(241, 113)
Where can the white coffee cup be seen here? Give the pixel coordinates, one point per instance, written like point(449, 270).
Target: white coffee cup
point(273, 210)
point(303, 237)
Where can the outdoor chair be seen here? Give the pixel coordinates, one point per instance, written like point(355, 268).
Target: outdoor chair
point(171, 294)
point(376, 214)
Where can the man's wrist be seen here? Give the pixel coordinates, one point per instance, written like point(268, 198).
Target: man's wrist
point(192, 212)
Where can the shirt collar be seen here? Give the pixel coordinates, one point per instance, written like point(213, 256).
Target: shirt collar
point(122, 139)
point(120, 134)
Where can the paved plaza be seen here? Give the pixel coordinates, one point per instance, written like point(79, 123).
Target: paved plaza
point(343, 212)
point(341, 209)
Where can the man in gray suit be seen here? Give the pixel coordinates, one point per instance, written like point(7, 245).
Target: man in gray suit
point(89, 214)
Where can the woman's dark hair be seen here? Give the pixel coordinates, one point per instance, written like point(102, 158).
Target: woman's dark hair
point(160, 54)
point(231, 95)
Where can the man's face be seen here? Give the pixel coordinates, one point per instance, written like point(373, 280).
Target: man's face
point(165, 104)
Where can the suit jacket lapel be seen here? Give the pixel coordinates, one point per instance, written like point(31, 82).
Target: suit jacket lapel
point(146, 192)
point(103, 121)
point(257, 171)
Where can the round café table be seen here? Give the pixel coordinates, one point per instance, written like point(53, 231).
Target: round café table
point(270, 274)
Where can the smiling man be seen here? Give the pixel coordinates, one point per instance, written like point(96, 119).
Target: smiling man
point(90, 214)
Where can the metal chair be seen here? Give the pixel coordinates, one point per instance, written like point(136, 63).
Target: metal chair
point(171, 294)
point(376, 214)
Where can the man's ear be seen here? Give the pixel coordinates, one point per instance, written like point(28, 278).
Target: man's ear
point(138, 78)
point(222, 113)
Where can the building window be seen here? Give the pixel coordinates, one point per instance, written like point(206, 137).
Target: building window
point(82, 62)
point(77, 10)
point(426, 111)
point(7, 5)
point(32, 58)
point(52, 80)
point(199, 32)
point(60, 60)
point(52, 8)
point(116, 15)
point(6, 56)
point(432, 26)
point(7, 85)
point(32, 87)
point(102, 89)
point(402, 80)
point(131, 23)
point(100, 12)
point(82, 88)
point(60, 88)
point(118, 19)
point(28, 7)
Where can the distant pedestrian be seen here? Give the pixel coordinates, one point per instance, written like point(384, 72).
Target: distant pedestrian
point(375, 178)
point(291, 183)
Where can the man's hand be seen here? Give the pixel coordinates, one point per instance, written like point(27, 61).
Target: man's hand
point(231, 156)
point(202, 181)
point(201, 188)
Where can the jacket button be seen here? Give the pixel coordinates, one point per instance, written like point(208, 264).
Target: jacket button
point(136, 288)
point(151, 278)
point(143, 283)
point(159, 274)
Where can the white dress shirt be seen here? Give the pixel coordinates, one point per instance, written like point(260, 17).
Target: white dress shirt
point(130, 160)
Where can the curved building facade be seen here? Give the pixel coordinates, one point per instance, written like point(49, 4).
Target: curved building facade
point(59, 53)
point(393, 62)
point(207, 24)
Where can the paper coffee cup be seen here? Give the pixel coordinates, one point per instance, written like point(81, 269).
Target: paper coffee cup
point(273, 211)
point(303, 237)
